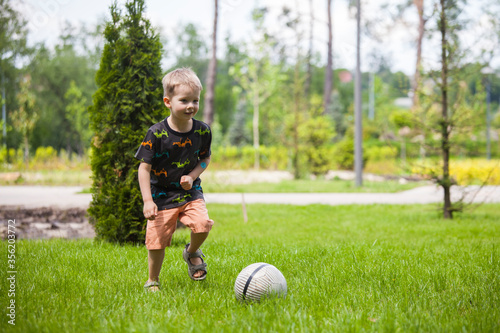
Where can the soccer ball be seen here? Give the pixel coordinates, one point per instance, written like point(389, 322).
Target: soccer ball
point(259, 280)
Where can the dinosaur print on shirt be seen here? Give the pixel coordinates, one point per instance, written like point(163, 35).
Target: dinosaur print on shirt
point(172, 155)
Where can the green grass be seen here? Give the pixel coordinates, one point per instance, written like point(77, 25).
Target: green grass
point(47, 178)
point(382, 268)
point(306, 186)
point(83, 178)
point(310, 186)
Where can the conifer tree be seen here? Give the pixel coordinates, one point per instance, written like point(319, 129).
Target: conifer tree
point(128, 101)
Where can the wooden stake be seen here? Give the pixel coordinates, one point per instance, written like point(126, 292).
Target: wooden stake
point(244, 208)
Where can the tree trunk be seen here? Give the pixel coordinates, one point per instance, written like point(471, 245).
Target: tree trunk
point(358, 116)
point(208, 112)
point(296, 111)
point(328, 86)
point(445, 131)
point(26, 152)
point(256, 139)
point(421, 29)
point(307, 85)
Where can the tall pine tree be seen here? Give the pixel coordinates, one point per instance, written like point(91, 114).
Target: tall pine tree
point(128, 101)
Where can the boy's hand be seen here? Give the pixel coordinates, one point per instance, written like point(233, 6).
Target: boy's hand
point(186, 182)
point(150, 210)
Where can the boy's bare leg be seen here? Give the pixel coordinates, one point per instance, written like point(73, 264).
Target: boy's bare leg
point(155, 260)
point(196, 240)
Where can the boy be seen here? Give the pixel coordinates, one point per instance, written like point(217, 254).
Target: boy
point(173, 154)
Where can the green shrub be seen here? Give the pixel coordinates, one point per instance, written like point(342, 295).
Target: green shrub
point(274, 157)
point(231, 157)
point(380, 153)
point(3, 155)
point(316, 134)
point(401, 118)
point(344, 154)
point(127, 102)
point(44, 154)
point(14, 159)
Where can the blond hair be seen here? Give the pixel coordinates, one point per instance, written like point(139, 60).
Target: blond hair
point(180, 76)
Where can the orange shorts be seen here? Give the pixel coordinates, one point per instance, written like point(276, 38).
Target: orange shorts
point(193, 215)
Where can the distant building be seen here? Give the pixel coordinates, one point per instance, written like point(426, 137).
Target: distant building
point(403, 102)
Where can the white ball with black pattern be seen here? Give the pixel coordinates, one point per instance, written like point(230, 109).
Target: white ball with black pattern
point(258, 281)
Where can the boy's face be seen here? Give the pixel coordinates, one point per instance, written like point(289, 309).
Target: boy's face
point(184, 103)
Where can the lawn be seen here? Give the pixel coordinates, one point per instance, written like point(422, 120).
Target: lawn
point(47, 178)
point(311, 186)
point(83, 178)
point(381, 268)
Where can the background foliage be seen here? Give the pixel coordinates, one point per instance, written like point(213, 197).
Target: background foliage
point(269, 110)
point(63, 83)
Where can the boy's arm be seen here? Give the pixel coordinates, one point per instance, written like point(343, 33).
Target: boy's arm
point(187, 180)
point(150, 209)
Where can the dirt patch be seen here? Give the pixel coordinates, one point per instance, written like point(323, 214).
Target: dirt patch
point(46, 223)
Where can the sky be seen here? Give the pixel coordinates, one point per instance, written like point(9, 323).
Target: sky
point(46, 17)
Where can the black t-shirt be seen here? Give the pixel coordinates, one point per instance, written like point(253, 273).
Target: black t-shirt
point(172, 155)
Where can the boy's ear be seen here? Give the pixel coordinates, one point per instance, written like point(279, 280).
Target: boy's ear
point(166, 101)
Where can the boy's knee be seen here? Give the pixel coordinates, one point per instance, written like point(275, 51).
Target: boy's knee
point(201, 226)
point(204, 226)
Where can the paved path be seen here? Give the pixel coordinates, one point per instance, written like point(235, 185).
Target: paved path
point(68, 197)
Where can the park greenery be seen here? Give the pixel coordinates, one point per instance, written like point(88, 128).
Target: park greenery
point(382, 268)
point(271, 110)
point(62, 82)
point(77, 111)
